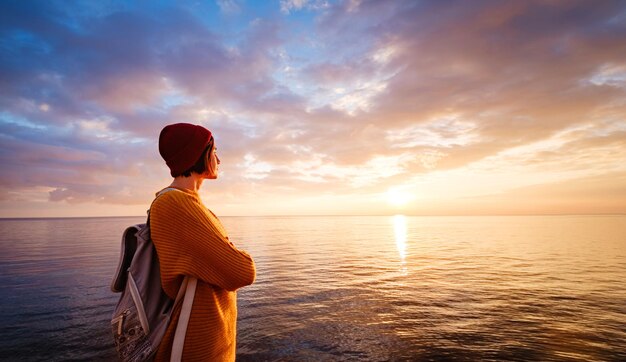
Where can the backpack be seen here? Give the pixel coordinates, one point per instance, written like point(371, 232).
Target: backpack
point(143, 311)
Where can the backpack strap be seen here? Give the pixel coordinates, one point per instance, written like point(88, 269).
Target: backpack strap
point(166, 190)
point(129, 247)
point(189, 286)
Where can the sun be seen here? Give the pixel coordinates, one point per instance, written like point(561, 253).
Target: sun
point(398, 197)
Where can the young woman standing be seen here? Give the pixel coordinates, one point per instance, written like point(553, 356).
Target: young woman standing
point(191, 241)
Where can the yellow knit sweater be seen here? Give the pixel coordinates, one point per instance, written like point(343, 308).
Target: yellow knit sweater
point(190, 240)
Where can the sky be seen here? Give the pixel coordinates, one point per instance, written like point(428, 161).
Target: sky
point(317, 107)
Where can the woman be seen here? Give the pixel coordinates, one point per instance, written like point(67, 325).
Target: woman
point(190, 240)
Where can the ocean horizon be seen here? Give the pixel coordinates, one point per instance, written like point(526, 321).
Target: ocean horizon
point(347, 287)
point(327, 215)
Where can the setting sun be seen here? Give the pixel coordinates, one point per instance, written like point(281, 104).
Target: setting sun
point(398, 197)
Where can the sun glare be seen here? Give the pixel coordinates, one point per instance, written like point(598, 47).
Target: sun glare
point(398, 197)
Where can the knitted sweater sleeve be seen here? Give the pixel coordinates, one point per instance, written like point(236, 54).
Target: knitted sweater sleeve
point(189, 242)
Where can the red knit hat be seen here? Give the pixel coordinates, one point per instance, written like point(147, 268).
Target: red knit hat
point(181, 145)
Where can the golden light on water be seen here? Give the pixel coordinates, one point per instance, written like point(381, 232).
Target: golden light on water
point(399, 227)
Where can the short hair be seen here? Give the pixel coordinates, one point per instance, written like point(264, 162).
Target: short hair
point(200, 166)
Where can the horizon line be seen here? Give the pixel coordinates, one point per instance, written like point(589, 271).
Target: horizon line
point(322, 215)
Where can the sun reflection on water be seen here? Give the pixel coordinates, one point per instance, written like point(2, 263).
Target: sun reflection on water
point(399, 227)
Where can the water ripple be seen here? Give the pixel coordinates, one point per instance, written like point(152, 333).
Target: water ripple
point(348, 288)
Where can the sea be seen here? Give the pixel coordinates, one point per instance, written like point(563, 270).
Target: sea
point(344, 288)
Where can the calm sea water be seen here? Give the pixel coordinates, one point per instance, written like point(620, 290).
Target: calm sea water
point(348, 288)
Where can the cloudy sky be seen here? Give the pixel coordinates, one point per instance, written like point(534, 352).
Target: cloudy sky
point(317, 107)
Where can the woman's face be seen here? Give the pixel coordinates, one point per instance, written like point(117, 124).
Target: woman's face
point(213, 163)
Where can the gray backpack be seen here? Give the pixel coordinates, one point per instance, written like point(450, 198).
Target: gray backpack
point(143, 311)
